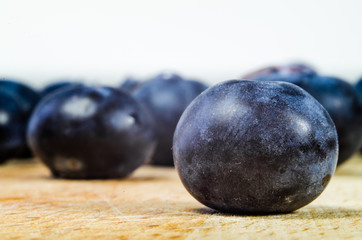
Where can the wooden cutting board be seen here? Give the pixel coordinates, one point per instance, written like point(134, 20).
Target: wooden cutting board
point(153, 204)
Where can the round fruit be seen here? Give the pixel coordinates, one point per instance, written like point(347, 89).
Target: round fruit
point(91, 132)
point(358, 88)
point(12, 127)
point(130, 85)
point(167, 96)
point(28, 96)
point(341, 101)
point(255, 147)
point(293, 70)
point(53, 87)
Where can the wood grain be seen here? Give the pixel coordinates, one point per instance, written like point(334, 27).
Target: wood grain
point(153, 204)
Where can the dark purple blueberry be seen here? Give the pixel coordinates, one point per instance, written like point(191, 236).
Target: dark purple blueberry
point(296, 79)
point(13, 122)
point(55, 86)
point(255, 147)
point(341, 101)
point(130, 84)
point(296, 69)
point(28, 96)
point(91, 132)
point(293, 71)
point(167, 96)
point(28, 99)
point(261, 72)
point(358, 88)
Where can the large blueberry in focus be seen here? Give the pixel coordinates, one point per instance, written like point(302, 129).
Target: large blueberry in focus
point(28, 96)
point(91, 132)
point(13, 122)
point(55, 86)
point(255, 147)
point(167, 96)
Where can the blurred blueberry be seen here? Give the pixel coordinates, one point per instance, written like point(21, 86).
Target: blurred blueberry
point(28, 98)
point(13, 122)
point(340, 100)
point(55, 86)
point(293, 71)
point(166, 96)
point(358, 88)
point(130, 84)
point(27, 95)
point(91, 132)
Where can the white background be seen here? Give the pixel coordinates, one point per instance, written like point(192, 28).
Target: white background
point(210, 40)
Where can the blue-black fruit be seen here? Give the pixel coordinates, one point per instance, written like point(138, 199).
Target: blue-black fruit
point(28, 96)
point(167, 96)
point(13, 122)
point(55, 86)
point(28, 99)
point(340, 99)
point(91, 132)
point(293, 71)
point(130, 84)
point(255, 147)
point(358, 88)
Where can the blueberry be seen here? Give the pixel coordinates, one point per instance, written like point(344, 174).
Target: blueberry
point(296, 69)
point(28, 96)
point(12, 127)
point(358, 88)
point(341, 101)
point(91, 132)
point(55, 86)
point(293, 70)
point(28, 99)
point(130, 84)
point(255, 147)
point(167, 96)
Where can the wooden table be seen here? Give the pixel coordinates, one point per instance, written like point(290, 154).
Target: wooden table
point(153, 204)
